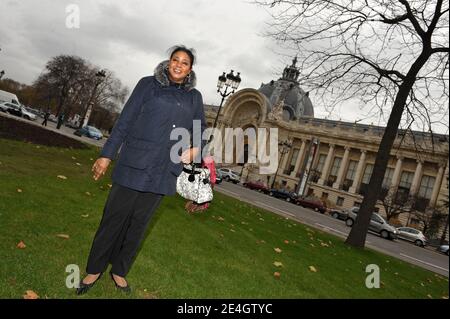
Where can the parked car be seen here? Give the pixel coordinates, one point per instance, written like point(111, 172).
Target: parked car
point(316, 204)
point(18, 110)
point(3, 107)
point(413, 235)
point(256, 185)
point(283, 194)
point(338, 214)
point(89, 131)
point(443, 249)
point(218, 177)
point(229, 175)
point(377, 224)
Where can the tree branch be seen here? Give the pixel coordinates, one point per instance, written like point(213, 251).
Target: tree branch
point(413, 19)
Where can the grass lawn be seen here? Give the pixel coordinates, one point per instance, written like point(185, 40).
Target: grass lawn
point(230, 251)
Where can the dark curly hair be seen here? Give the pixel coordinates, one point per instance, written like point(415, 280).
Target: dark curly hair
point(190, 52)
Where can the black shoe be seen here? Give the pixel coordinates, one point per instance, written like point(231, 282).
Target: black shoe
point(126, 289)
point(84, 288)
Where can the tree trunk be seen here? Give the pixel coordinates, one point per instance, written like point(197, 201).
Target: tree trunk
point(358, 233)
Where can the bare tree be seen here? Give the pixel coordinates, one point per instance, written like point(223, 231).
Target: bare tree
point(390, 54)
point(394, 205)
point(72, 82)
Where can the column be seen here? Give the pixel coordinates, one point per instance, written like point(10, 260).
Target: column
point(285, 159)
point(437, 185)
point(326, 167)
point(396, 175)
point(416, 179)
point(359, 172)
point(301, 154)
point(342, 168)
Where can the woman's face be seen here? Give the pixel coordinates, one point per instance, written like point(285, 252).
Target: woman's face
point(179, 66)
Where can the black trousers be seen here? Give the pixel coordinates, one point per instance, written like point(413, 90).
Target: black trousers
point(125, 219)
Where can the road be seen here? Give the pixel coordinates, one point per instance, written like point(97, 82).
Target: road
point(426, 258)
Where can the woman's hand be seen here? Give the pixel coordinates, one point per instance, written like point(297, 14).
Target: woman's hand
point(100, 166)
point(189, 154)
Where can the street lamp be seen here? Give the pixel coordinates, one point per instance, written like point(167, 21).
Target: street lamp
point(229, 80)
point(2, 73)
point(285, 147)
point(100, 74)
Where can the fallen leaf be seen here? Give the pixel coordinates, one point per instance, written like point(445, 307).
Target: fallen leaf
point(63, 236)
point(422, 284)
point(221, 218)
point(21, 245)
point(263, 241)
point(312, 268)
point(278, 264)
point(221, 235)
point(30, 294)
point(19, 190)
point(109, 185)
point(74, 158)
point(78, 164)
point(37, 146)
point(62, 177)
point(286, 241)
point(278, 250)
point(294, 242)
point(87, 215)
point(396, 273)
point(429, 296)
point(87, 193)
point(276, 274)
point(232, 230)
point(444, 297)
point(261, 219)
point(324, 245)
point(91, 159)
point(312, 245)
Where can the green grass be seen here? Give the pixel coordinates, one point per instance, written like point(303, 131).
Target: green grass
point(226, 252)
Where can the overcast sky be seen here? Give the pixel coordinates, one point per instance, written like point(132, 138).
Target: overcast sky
point(131, 37)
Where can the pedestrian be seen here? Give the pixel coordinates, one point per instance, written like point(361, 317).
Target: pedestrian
point(143, 173)
point(46, 115)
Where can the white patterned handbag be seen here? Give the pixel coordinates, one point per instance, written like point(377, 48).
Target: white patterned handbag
point(194, 184)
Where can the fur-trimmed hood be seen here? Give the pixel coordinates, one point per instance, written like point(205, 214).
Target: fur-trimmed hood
point(161, 76)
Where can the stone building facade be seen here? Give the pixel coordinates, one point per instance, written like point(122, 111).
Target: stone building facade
point(333, 160)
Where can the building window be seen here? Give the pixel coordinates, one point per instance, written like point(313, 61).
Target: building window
point(340, 201)
point(426, 186)
point(334, 171)
point(367, 174)
point(291, 165)
point(336, 164)
point(388, 178)
point(350, 176)
point(351, 170)
point(357, 204)
point(321, 163)
point(324, 195)
point(404, 187)
point(406, 180)
point(363, 188)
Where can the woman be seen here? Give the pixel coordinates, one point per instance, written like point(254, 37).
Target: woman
point(144, 172)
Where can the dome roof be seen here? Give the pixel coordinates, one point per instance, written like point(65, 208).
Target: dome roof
point(296, 101)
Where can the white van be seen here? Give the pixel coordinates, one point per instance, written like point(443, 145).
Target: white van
point(8, 97)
